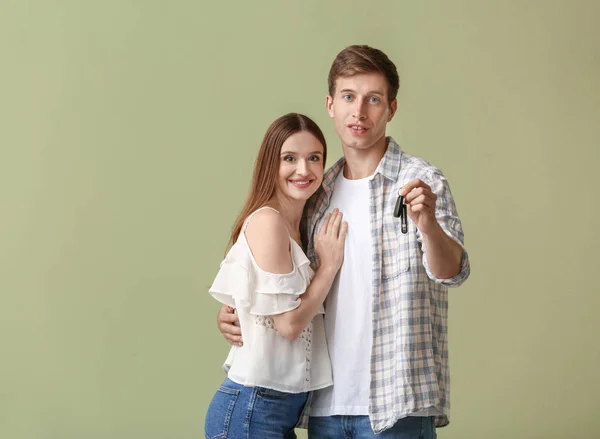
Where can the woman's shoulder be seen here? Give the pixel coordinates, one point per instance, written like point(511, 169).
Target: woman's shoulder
point(264, 219)
point(269, 241)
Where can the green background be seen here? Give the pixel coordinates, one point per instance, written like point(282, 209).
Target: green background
point(128, 130)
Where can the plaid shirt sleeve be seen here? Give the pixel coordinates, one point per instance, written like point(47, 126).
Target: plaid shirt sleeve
point(447, 217)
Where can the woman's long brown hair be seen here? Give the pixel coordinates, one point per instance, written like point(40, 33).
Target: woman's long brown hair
point(267, 163)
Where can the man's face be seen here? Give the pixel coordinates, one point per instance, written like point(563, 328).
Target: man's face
point(360, 109)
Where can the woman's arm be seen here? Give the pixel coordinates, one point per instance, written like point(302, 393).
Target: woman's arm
point(269, 242)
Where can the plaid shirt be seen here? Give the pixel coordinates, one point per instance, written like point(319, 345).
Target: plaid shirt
point(409, 357)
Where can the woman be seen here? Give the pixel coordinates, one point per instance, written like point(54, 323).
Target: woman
point(265, 277)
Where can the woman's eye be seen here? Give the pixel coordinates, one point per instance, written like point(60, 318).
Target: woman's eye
point(288, 158)
point(314, 158)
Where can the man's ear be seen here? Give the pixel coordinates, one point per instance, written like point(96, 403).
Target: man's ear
point(329, 106)
point(393, 108)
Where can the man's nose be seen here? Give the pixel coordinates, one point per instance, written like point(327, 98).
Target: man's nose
point(359, 109)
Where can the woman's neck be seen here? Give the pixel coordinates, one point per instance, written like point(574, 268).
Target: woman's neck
point(290, 210)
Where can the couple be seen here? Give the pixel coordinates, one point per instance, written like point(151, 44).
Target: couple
point(357, 348)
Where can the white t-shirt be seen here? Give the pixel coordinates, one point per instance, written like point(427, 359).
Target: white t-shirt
point(348, 320)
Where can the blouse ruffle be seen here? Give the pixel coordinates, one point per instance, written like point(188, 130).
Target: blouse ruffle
point(240, 282)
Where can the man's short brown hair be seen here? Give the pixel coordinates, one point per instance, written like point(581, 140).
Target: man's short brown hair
point(354, 60)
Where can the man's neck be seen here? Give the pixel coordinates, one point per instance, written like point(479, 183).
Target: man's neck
point(363, 163)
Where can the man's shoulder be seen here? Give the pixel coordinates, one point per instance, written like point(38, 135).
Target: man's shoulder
point(412, 166)
point(331, 174)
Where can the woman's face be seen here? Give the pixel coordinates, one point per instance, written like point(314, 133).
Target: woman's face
point(300, 166)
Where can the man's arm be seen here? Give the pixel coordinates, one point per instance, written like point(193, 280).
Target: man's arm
point(436, 221)
point(444, 254)
point(228, 324)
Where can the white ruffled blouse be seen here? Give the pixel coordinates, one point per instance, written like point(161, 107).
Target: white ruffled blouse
point(266, 358)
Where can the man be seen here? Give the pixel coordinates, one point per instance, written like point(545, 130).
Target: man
point(386, 319)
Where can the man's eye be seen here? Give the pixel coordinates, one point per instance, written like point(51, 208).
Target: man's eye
point(347, 97)
point(374, 100)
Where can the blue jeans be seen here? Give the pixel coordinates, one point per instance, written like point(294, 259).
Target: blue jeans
point(240, 412)
point(359, 427)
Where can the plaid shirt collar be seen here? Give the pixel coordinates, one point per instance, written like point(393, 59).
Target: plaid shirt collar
point(389, 166)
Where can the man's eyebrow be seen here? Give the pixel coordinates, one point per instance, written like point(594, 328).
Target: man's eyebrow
point(293, 153)
point(372, 92)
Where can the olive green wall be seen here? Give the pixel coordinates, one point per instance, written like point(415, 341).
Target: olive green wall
point(127, 135)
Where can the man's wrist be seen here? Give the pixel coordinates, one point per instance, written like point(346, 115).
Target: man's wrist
point(434, 232)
